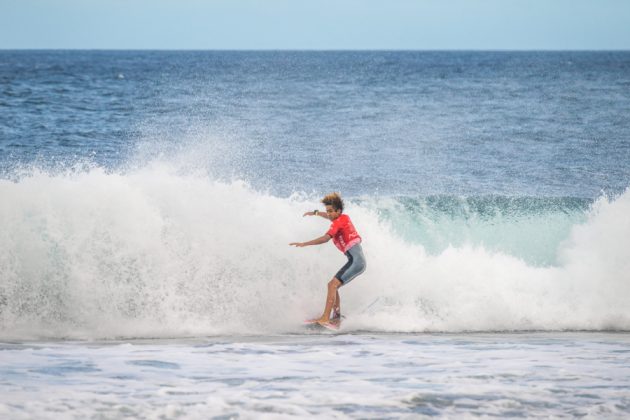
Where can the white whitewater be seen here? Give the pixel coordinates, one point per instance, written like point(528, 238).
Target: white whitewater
point(156, 252)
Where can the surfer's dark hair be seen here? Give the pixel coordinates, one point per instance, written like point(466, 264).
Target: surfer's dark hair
point(334, 200)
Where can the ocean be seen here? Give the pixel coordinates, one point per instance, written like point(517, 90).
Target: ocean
point(147, 200)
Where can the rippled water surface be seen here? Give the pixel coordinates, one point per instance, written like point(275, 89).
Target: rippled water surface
point(150, 196)
point(322, 376)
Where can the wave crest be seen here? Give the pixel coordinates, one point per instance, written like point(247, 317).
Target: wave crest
point(156, 253)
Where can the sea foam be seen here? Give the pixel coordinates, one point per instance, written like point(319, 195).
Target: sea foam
point(154, 252)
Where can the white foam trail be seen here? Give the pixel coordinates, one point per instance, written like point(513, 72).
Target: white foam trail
point(154, 253)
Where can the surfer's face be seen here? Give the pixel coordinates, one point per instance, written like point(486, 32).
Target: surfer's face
point(332, 212)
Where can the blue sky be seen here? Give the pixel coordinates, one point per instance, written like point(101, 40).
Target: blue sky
point(322, 24)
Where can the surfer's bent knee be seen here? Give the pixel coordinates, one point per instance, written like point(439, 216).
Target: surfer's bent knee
point(335, 283)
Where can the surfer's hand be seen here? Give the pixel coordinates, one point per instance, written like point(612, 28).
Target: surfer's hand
point(309, 213)
point(297, 244)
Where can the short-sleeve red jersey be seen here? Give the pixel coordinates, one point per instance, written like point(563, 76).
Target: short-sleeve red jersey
point(343, 233)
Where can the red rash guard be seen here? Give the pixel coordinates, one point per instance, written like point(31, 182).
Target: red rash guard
point(343, 233)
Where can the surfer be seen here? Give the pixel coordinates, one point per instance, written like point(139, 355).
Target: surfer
point(348, 241)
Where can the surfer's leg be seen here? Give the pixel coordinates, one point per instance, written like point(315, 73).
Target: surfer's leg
point(336, 307)
point(354, 267)
point(338, 277)
point(331, 296)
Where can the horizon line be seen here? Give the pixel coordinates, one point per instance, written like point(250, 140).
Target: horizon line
point(319, 49)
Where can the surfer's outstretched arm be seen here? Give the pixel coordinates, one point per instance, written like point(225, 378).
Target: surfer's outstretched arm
point(317, 213)
point(318, 241)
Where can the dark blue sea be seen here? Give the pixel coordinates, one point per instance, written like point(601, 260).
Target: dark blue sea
point(147, 200)
point(541, 124)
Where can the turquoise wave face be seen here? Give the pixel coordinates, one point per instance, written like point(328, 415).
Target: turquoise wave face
point(530, 228)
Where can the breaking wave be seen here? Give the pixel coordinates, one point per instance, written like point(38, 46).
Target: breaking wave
point(154, 252)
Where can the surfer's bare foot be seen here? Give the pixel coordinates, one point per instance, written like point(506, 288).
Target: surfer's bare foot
point(322, 321)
